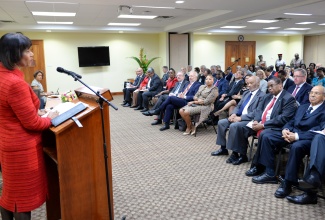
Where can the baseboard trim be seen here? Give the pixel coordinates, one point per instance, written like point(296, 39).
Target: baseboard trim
point(117, 93)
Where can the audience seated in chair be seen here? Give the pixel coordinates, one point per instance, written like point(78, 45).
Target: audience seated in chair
point(176, 101)
point(241, 115)
point(286, 81)
point(36, 84)
point(128, 90)
point(263, 82)
point(295, 132)
point(142, 86)
point(320, 79)
point(314, 174)
point(300, 89)
point(202, 104)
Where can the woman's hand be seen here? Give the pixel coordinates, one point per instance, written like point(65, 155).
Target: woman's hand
point(190, 103)
point(41, 112)
point(52, 115)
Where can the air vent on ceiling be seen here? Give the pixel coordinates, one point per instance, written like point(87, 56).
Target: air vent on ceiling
point(282, 19)
point(6, 21)
point(165, 17)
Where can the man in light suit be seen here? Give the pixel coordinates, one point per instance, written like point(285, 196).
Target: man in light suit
point(178, 88)
point(154, 86)
point(241, 115)
point(297, 133)
point(314, 174)
point(300, 89)
point(175, 102)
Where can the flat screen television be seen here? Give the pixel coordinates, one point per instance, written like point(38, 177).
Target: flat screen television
point(93, 56)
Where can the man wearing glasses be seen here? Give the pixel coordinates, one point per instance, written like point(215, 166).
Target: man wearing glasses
point(300, 89)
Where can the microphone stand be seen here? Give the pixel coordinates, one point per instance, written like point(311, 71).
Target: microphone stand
point(101, 101)
point(236, 61)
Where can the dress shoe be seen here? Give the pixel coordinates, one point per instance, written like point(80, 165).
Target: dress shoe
point(187, 132)
point(284, 190)
point(219, 152)
point(123, 103)
point(233, 157)
point(254, 171)
point(165, 127)
point(154, 111)
point(144, 110)
point(138, 108)
point(146, 113)
point(193, 131)
point(240, 160)
point(158, 122)
point(313, 181)
point(134, 106)
point(303, 199)
point(264, 178)
point(126, 105)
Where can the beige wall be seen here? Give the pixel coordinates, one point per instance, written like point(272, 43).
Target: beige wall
point(314, 49)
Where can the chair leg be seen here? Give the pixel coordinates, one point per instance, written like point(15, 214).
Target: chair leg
point(251, 149)
point(277, 170)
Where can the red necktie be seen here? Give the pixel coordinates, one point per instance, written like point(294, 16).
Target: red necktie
point(265, 113)
point(295, 91)
point(216, 84)
point(187, 88)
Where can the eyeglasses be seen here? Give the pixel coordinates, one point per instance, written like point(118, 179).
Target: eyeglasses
point(315, 93)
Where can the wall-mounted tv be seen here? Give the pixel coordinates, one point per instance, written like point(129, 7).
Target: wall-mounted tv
point(93, 56)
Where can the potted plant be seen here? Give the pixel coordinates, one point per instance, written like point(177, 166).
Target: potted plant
point(143, 61)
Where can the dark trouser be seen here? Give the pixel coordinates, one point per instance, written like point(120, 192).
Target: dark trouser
point(317, 154)
point(127, 94)
point(145, 98)
point(139, 99)
point(8, 215)
point(161, 99)
point(168, 106)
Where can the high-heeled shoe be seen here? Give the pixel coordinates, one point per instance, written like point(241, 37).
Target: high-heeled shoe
point(187, 132)
point(217, 113)
point(193, 131)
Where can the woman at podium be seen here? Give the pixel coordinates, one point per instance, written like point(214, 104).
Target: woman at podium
point(21, 155)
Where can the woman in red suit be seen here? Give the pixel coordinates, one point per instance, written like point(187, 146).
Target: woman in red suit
point(21, 155)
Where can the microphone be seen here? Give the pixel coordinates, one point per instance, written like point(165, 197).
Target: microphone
point(61, 70)
point(237, 59)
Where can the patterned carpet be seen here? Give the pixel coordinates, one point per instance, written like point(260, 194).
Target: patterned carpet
point(163, 175)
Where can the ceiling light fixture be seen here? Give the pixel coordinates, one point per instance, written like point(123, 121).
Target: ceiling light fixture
point(138, 16)
point(124, 24)
point(297, 29)
point(59, 14)
point(179, 2)
point(322, 24)
point(297, 14)
point(53, 22)
point(307, 22)
point(138, 6)
point(271, 28)
point(235, 27)
point(263, 21)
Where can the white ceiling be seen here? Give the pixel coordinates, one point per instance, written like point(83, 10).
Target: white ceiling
point(197, 16)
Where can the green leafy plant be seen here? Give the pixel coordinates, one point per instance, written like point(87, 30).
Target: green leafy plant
point(143, 61)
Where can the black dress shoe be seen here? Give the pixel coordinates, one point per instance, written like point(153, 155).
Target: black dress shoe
point(254, 171)
point(240, 160)
point(303, 199)
point(219, 152)
point(123, 103)
point(146, 113)
point(313, 181)
point(264, 178)
point(233, 157)
point(126, 105)
point(284, 190)
point(134, 106)
point(165, 127)
point(144, 110)
point(158, 122)
point(154, 112)
point(138, 108)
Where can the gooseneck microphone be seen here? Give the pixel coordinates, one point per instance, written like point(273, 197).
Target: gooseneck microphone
point(73, 74)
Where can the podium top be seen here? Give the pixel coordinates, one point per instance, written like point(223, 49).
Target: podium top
point(84, 92)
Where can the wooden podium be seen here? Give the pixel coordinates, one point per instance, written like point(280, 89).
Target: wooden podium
point(75, 166)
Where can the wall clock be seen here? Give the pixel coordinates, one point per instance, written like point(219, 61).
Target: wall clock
point(240, 38)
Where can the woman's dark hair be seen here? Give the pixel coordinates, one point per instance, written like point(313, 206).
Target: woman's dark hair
point(197, 69)
point(12, 46)
point(37, 72)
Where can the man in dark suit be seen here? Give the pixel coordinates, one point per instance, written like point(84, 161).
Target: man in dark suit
point(286, 81)
point(300, 89)
point(228, 74)
point(178, 88)
point(241, 115)
point(297, 133)
point(314, 174)
point(154, 86)
point(127, 91)
point(269, 73)
point(221, 83)
point(175, 102)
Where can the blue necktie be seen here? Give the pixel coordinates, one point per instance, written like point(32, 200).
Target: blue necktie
point(308, 111)
point(177, 88)
point(240, 110)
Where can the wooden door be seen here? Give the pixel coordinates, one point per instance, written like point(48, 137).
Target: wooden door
point(244, 51)
point(39, 63)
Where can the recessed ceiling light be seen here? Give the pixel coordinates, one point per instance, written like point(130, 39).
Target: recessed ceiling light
point(66, 14)
point(121, 32)
point(233, 27)
point(209, 33)
point(124, 24)
point(297, 29)
point(271, 28)
point(297, 14)
point(179, 2)
point(138, 16)
point(54, 22)
point(48, 31)
point(263, 21)
point(307, 22)
point(322, 24)
point(140, 6)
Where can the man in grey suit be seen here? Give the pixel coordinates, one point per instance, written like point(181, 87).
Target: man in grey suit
point(241, 115)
